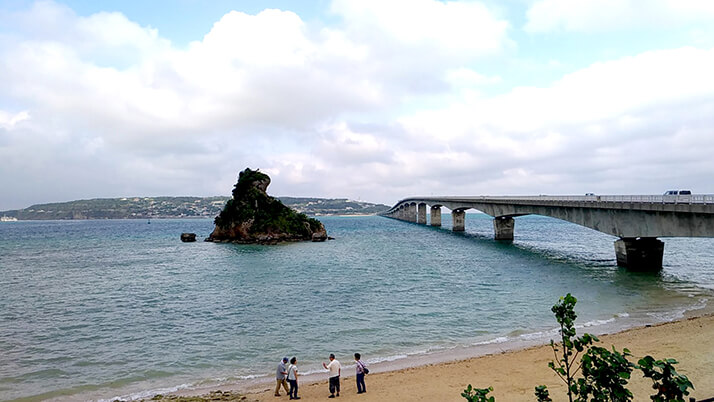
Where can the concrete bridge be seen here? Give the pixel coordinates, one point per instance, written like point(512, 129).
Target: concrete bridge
point(638, 220)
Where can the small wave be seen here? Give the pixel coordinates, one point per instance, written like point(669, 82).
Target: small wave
point(702, 303)
point(47, 373)
point(211, 381)
point(309, 372)
point(595, 323)
point(664, 316)
point(500, 339)
point(251, 376)
point(392, 358)
point(517, 332)
point(530, 336)
point(672, 315)
point(430, 349)
point(147, 394)
point(538, 335)
point(226, 380)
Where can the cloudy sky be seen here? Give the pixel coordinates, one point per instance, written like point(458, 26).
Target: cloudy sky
point(366, 99)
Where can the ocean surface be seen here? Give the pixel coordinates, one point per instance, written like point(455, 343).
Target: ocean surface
point(122, 308)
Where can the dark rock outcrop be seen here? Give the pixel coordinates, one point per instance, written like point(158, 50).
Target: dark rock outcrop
point(252, 216)
point(188, 237)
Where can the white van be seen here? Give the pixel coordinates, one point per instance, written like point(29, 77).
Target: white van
point(677, 196)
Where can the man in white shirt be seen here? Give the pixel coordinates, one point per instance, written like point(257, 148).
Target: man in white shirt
point(335, 369)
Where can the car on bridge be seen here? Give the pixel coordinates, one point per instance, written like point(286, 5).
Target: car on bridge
point(677, 196)
point(678, 192)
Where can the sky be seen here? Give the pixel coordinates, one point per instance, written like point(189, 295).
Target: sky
point(373, 100)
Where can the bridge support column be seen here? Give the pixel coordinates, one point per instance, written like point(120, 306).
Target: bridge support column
point(421, 214)
point(640, 254)
point(503, 228)
point(459, 218)
point(435, 216)
point(411, 210)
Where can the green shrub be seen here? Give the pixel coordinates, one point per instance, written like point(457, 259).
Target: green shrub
point(541, 393)
point(670, 385)
point(478, 394)
point(605, 375)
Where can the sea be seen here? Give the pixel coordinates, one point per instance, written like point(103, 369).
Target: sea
point(122, 309)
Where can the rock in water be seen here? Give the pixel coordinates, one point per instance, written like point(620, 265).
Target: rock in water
point(188, 237)
point(319, 236)
point(252, 216)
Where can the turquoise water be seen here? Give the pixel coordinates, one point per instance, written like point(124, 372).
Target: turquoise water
point(100, 309)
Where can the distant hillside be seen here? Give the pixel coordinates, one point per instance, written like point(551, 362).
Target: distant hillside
point(179, 207)
point(333, 206)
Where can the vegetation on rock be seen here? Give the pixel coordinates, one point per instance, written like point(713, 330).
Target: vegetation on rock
point(252, 216)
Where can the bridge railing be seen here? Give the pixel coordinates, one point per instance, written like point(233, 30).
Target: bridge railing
point(653, 199)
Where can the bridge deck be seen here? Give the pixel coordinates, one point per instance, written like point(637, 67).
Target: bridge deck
point(697, 203)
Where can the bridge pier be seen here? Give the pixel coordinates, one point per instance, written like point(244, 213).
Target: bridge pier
point(640, 254)
point(459, 218)
point(421, 213)
point(503, 227)
point(435, 216)
point(411, 210)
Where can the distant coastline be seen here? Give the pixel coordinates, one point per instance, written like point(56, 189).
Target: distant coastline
point(178, 207)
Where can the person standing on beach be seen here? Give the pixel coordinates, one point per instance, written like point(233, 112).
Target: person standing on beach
point(281, 375)
point(335, 369)
point(293, 378)
point(360, 368)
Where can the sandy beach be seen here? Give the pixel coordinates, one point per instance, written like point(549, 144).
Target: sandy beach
point(514, 374)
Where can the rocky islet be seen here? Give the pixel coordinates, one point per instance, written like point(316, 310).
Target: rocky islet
point(251, 216)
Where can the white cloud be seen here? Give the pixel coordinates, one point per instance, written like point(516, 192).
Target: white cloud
point(269, 39)
point(455, 27)
point(607, 15)
point(465, 78)
point(414, 44)
point(9, 120)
